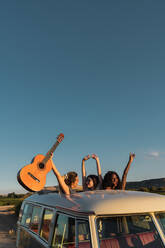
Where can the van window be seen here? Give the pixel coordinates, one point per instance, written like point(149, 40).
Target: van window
point(161, 219)
point(35, 219)
point(45, 228)
point(26, 216)
point(128, 231)
point(64, 233)
point(83, 234)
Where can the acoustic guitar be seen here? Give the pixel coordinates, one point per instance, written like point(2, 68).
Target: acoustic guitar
point(33, 176)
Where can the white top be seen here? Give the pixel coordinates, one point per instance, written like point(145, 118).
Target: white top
point(103, 202)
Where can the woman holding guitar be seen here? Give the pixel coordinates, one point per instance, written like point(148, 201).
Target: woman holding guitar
point(67, 184)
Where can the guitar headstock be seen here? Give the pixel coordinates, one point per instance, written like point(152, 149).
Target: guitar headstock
point(60, 137)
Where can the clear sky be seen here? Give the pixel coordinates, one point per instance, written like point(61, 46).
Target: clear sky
point(93, 70)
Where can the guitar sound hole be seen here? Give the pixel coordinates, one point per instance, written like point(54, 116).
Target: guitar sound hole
point(41, 166)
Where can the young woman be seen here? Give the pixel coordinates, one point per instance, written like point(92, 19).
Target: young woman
point(112, 180)
point(68, 183)
point(91, 182)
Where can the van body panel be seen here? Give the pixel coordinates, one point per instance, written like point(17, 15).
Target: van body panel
point(81, 220)
point(103, 201)
point(30, 240)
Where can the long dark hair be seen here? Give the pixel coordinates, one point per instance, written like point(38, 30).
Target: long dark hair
point(107, 181)
point(95, 181)
point(70, 177)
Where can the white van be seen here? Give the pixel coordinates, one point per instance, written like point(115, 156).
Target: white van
point(93, 219)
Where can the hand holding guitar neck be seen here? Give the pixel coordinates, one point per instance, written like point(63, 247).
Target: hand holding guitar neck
point(33, 176)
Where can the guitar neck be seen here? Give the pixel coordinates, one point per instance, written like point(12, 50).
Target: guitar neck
point(49, 153)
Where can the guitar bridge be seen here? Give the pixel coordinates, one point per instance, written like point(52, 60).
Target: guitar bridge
point(36, 179)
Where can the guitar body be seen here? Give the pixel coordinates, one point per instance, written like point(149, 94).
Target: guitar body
point(33, 176)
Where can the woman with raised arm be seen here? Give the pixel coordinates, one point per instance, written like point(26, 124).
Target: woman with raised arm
point(67, 184)
point(112, 180)
point(91, 182)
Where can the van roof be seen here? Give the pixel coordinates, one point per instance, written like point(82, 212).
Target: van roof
point(101, 202)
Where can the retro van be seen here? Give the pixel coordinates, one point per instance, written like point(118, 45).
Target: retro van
point(92, 219)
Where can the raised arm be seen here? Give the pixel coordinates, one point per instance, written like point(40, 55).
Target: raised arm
point(94, 156)
point(124, 177)
point(60, 179)
point(84, 171)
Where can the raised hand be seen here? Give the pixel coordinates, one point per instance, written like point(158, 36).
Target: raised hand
point(94, 156)
point(86, 158)
point(131, 157)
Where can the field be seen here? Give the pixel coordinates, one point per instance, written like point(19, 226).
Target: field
point(9, 209)
point(8, 201)
point(14, 200)
point(8, 221)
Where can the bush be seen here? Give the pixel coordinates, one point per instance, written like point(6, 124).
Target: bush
point(12, 195)
point(153, 189)
point(144, 189)
point(18, 204)
point(13, 199)
point(17, 207)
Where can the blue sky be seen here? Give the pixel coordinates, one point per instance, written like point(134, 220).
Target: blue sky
point(93, 70)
